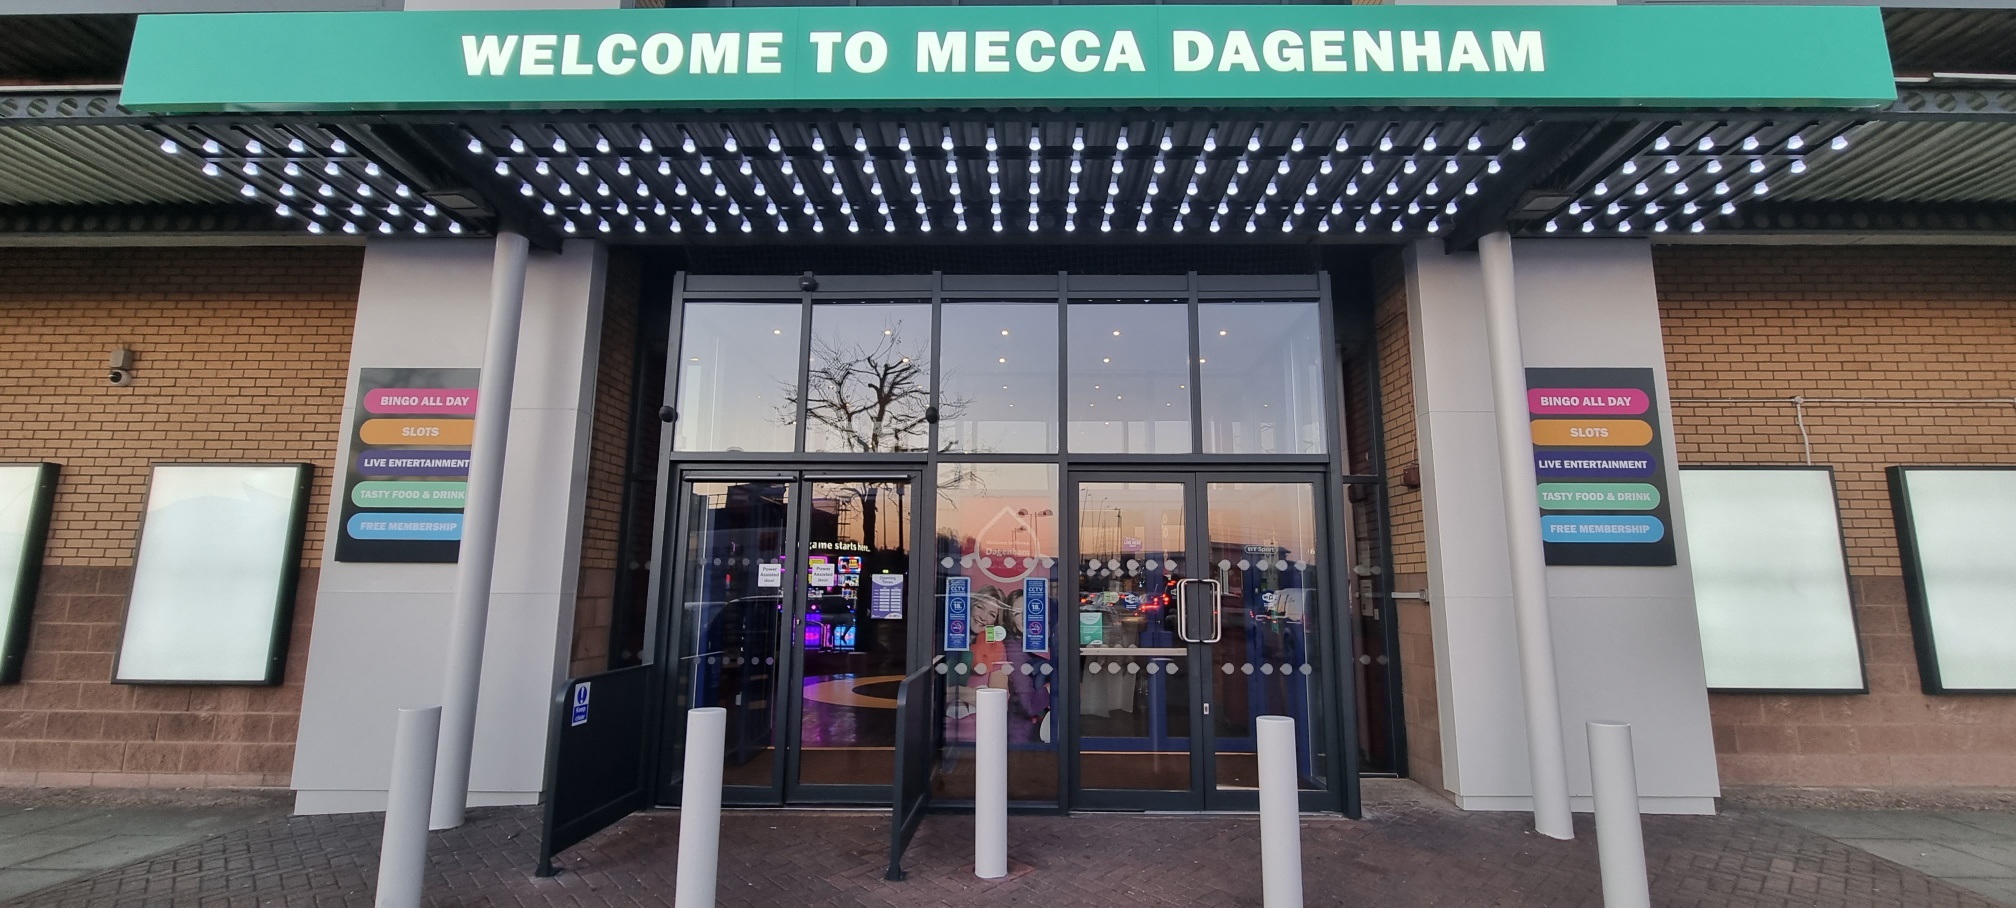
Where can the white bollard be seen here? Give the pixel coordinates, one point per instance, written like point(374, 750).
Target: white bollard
point(402, 856)
point(990, 785)
point(700, 808)
point(1620, 839)
point(1280, 813)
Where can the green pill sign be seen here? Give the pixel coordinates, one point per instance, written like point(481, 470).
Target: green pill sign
point(1598, 496)
point(392, 494)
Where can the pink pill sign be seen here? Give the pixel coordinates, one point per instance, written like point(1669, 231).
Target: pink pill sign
point(1587, 401)
point(455, 401)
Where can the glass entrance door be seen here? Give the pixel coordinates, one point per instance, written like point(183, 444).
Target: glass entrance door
point(795, 607)
point(1201, 607)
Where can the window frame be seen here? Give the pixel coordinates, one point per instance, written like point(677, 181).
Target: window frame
point(1923, 641)
point(1847, 575)
point(288, 582)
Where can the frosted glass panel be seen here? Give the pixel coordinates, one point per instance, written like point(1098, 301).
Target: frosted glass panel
point(217, 554)
point(1770, 580)
point(1963, 524)
point(24, 517)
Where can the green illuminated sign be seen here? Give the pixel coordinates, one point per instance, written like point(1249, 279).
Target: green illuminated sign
point(884, 57)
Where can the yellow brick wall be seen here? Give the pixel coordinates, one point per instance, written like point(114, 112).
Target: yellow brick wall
point(1763, 324)
point(1404, 514)
point(240, 355)
point(603, 515)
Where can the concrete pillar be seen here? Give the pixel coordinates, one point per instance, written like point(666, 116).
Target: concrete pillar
point(1625, 641)
point(381, 630)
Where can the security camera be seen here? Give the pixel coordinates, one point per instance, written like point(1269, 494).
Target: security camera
point(121, 363)
point(808, 282)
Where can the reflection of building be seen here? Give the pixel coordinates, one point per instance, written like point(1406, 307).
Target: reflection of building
point(1097, 347)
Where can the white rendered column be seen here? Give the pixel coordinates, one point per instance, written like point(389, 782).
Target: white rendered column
point(469, 618)
point(1546, 755)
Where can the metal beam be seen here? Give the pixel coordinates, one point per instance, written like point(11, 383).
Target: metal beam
point(38, 106)
point(132, 7)
point(1547, 145)
point(142, 219)
point(444, 145)
point(1871, 217)
point(1996, 105)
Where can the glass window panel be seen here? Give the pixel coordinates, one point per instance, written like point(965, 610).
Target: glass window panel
point(1963, 525)
point(1262, 376)
point(738, 377)
point(997, 527)
point(218, 547)
point(25, 491)
point(1130, 378)
point(997, 386)
point(1770, 581)
point(1272, 616)
point(734, 564)
point(856, 632)
point(870, 378)
point(1133, 668)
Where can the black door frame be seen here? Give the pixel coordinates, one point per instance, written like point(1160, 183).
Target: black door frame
point(788, 700)
point(1337, 720)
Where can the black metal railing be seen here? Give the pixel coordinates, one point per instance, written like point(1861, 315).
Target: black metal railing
point(920, 700)
point(596, 770)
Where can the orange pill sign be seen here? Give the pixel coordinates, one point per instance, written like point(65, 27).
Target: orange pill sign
point(417, 431)
point(1621, 433)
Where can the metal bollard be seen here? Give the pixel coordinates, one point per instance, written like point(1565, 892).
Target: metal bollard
point(990, 785)
point(700, 808)
point(1620, 837)
point(1280, 814)
point(402, 856)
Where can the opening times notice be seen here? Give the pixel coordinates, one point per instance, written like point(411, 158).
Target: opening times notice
point(408, 473)
point(1596, 454)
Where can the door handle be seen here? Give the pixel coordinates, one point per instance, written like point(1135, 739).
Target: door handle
point(1183, 612)
point(1217, 613)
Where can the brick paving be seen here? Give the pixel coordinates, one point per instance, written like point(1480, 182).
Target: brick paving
point(1408, 851)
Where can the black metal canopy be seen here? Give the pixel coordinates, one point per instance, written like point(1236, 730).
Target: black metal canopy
point(995, 176)
point(73, 162)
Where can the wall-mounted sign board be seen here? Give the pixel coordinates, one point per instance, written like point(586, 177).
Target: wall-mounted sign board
point(1083, 56)
point(409, 466)
point(214, 574)
point(26, 492)
point(1956, 530)
point(1600, 465)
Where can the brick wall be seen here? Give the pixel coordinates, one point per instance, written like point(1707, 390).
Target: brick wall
point(603, 517)
point(1769, 323)
point(1404, 514)
point(240, 355)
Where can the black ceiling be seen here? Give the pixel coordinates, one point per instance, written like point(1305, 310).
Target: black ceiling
point(1952, 40)
point(64, 49)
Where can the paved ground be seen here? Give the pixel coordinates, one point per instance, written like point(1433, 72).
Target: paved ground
point(1975, 849)
point(1410, 850)
point(42, 845)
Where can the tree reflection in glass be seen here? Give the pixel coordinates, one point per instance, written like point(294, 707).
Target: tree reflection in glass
point(868, 382)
